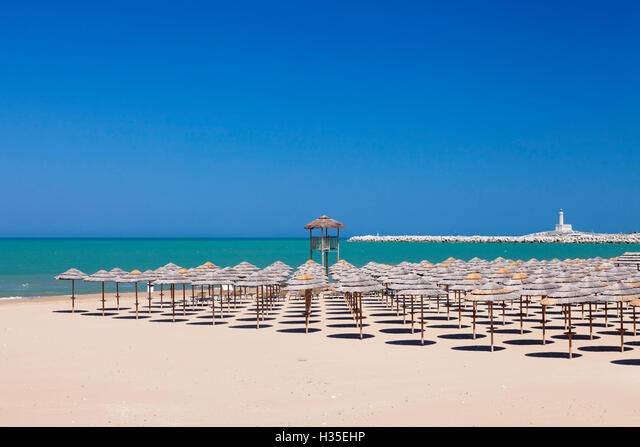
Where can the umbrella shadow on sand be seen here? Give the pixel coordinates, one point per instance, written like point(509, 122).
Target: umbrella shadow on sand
point(351, 336)
point(526, 342)
point(598, 348)
point(460, 336)
point(627, 362)
point(552, 355)
point(131, 317)
point(206, 323)
point(250, 326)
point(413, 342)
point(298, 330)
point(63, 311)
point(478, 348)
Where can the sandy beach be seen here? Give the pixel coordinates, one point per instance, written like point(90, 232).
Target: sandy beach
point(83, 369)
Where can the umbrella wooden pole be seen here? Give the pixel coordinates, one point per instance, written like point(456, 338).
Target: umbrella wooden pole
point(161, 295)
point(544, 324)
point(570, 333)
point(460, 310)
point(184, 300)
point(149, 295)
point(404, 309)
point(103, 298)
point(633, 309)
point(193, 296)
point(257, 307)
point(136, 287)
point(475, 308)
point(621, 327)
point(491, 324)
point(412, 331)
point(590, 322)
point(397, 305)
point(221, 305)
point(73, 296)
point(521, 328)
point(359, 297)
point(117, 296)
point(212, 290)
point(504, 306)
point(606, 312)
point(307, 309)
point(228, 299)
point(235, 298)
point(448, 305)
point(422, 320)
point(173, 302)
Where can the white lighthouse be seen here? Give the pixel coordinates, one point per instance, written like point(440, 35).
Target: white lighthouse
point(562, 227)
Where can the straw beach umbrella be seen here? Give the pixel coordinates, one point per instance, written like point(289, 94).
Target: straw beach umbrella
point(259, 281)
point(464, 286)
point(565, 296)
point(307, 283)
point(150, 276)
point(489, 293)
point(353, 287)
point(210, 280)
point(172, 278)
point(422, 289)
point(101, 276)
point(133, 277)
point(117, 272)
point(621, 293)
point(72, 275)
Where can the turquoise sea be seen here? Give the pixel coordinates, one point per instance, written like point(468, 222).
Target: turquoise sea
point(27, 266)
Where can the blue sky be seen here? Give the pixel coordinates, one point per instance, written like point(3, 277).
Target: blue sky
point(251, 118)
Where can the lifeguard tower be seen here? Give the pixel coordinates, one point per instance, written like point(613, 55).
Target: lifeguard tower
point(324, 243)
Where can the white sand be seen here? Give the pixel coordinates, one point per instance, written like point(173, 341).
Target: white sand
point(64, 369)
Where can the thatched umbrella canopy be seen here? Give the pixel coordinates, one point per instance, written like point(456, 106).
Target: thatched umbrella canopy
point(172, 278)
point(566, 296)
point(620, 293)
point(209, 266)
point(150, 276)
point(323, 222)
point(210, 279)
point(133, 277)
point(489, 293)
point(72, 275)
point(258, 280)
point(307, 283)
point(245, 269)
point(628, 258)
point(460, 288)
point(227, 279)
point(416, 286)
point(117, 272)
point(353, 287)
point(170, 266)
point(101, 276)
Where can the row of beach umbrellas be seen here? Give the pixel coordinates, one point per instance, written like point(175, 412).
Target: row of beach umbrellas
point(485, 285)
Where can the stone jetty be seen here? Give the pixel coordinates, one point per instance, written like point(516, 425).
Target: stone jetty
point(550, 237)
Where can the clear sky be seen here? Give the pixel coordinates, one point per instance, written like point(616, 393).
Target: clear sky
point(251, 118)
